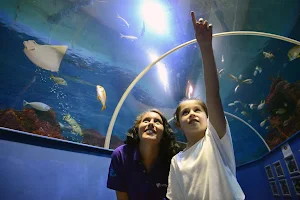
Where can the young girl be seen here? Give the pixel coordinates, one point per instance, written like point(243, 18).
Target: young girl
point(205, 170)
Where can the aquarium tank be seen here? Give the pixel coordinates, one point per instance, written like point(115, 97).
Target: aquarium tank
point(80, 71)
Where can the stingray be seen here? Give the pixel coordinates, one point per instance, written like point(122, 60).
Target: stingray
point(47, 57)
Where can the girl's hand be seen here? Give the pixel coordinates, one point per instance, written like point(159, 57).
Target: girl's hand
point(203, 32)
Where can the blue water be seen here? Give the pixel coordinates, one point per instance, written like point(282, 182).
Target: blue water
point(99, 56)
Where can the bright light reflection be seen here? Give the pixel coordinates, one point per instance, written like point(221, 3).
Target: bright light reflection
point(162, 71)
point(189, 90)
point(154, 15)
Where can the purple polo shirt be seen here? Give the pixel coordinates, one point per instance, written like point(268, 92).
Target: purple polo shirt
point(128, 174)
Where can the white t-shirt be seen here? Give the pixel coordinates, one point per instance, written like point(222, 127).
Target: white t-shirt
point(205, 171)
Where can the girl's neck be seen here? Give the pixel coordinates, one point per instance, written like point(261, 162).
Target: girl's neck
point(149, 153)
point(193, 138)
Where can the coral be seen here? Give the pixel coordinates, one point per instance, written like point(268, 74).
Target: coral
point(283, 96)
point(92, 137)
point(32, 121)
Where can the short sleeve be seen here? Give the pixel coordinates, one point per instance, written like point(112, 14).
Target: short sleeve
point(116, 174)
point(224, 145)
point(174, 191)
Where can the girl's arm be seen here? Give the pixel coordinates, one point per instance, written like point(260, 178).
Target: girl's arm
point(203, 33)
point(122, 195)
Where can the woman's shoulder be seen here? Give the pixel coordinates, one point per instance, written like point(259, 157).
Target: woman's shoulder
point(124, 149)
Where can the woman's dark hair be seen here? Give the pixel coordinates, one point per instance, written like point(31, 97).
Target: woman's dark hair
point(168, 146)
point(179, 107)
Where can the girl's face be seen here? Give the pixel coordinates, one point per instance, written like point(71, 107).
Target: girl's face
point(151, 127)
point(192, 118)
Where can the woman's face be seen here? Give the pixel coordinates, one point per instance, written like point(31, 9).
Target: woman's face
point(151, 128)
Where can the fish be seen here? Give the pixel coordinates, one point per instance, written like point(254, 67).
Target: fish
point(58, 80)
point(240, 76)
point(221, 71)
point(129, 37)
point(101, 95)
point(63, 127)
point(262, 124)
point(236, 110)
point(248, 81)
point(261, 105)
point(233, 77)
point(236, 88)
point(231, 104)
point(268, 55)
point(252, 106)
point(119, 17)
point(143, 29)
point(280, 111)
point(244, 113)
point(75, 126)
point(254, 73)
point(78, 80)
point(257, 69)
point(37, 105)
point(222, 58)
point(294, 53)
point(47, 57)
point(237, 102)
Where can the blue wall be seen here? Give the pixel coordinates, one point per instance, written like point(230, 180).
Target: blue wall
point(36, 170)
point(253, 178)
point(33, 167)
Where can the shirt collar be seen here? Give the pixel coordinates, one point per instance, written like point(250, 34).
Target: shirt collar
point(138, 157)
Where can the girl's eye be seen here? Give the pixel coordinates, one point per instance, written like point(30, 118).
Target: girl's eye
point(185, 112)
point(197, 110)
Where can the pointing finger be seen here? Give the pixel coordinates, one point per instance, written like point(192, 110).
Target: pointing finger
point(193, 20)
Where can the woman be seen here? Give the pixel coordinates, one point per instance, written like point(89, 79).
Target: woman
point(139, 169)
point(205, 170)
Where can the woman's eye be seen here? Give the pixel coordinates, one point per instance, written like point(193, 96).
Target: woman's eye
point(197, 110)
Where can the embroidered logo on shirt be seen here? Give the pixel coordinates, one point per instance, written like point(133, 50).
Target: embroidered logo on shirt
point(112, 173)
point(161, 185)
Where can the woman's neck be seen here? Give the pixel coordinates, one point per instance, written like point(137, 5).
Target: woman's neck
point(149, 153)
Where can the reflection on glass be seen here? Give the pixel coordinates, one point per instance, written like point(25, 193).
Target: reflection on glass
point(284, 187)
point(291, 164)
point(296, 183)
point(161, 70)
point(269, 172)
point(274, 188)
point(278, 169)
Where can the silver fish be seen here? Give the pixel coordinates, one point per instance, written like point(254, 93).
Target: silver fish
point(129, 37)
point(37, 105)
